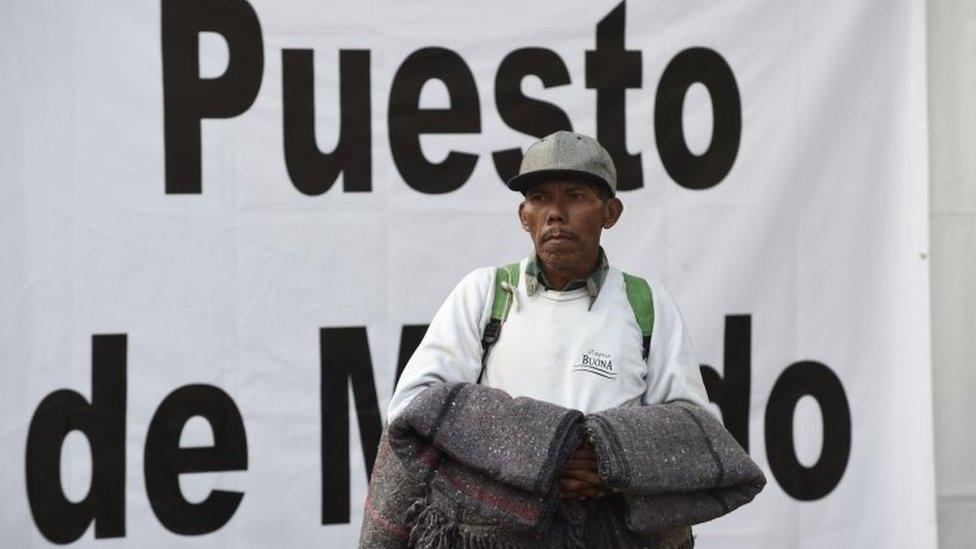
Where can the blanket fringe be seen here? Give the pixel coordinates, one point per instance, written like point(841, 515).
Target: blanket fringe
point(432, 529)
point(574, 519)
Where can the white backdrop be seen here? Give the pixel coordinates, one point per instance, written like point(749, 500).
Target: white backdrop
point(952, 85)
point(817, 233)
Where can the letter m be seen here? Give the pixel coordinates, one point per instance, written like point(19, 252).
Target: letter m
point(345, 361)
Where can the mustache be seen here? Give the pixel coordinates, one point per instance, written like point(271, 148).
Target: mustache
point(560, 232)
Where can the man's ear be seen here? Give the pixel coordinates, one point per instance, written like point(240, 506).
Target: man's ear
point(521, 216)
point(612, 211)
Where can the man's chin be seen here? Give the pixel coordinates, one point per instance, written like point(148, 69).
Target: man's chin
point(559, 258)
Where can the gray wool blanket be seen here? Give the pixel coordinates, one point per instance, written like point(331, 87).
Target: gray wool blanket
point(468, 466)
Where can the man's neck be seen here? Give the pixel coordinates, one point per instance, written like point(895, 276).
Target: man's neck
point(559, 276)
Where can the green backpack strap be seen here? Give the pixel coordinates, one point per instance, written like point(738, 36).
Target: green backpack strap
point(506, 282)
point(639, 296)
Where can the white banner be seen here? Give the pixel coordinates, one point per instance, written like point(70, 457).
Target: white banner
point(224, 224)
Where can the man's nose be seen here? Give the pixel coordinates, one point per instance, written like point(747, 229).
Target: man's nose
point(556, 212)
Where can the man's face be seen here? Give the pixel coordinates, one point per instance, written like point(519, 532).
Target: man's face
point(565, 217)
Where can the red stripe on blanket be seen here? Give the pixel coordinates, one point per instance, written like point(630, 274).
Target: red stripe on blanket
point(384, 449)
point(374, 514)
point(428, 455)
point(496, 500)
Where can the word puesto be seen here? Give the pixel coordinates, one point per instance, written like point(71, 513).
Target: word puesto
point(345, 361)
point(611, 69)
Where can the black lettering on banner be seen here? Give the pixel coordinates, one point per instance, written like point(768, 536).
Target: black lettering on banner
point(103, 423)
point(816, 380)
point(187, 98)
point(611, 69)
point(410, 337)
point(705, 66)
point(345, 359)
point(525, 114)
point(311, 171)
point(165, 460)
point(407, 121)
point(732, 393)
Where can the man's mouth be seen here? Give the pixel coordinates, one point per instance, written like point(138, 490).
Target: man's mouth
point(559, 235)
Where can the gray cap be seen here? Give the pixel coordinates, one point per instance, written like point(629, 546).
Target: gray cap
point(566, 153)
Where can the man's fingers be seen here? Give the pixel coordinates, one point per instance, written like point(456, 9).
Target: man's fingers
point(588, 477)
point(577, 484)
point(578, 490)
point(571, 485)
point(585, 451)
point(592, 492)
point(579, 476)
point(574, 463)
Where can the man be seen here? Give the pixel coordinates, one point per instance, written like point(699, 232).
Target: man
point(570, 314)
point(570, 335)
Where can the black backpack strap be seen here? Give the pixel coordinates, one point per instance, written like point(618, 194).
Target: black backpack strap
point(506, 284)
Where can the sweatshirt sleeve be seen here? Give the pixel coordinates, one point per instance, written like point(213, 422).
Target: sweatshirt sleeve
point(673, 372)
point(451, 348)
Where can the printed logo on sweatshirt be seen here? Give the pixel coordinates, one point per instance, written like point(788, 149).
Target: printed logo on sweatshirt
point(596, 363)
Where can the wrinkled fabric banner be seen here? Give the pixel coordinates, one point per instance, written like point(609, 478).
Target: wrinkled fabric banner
point(224, 225)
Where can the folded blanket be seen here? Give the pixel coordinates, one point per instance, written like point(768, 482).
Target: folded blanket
point(472, 467)
point(674, 463)
point(492, 457)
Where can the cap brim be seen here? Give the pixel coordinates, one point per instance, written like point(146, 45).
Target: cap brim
point(521, 182)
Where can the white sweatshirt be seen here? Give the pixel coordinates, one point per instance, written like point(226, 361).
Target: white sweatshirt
point(555, 347)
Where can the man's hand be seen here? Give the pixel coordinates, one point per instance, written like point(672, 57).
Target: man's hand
point(579, 477)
